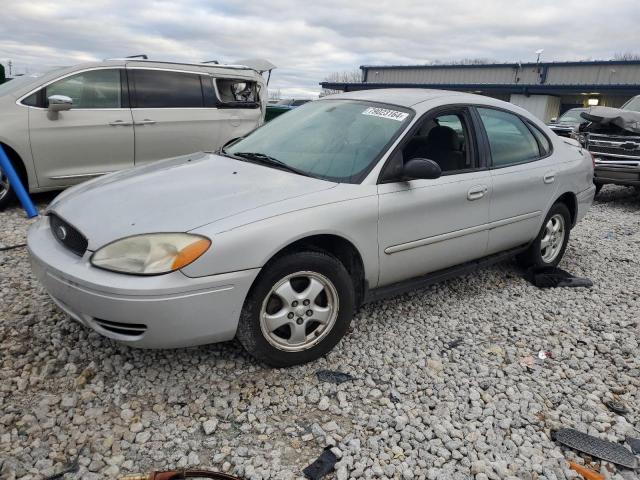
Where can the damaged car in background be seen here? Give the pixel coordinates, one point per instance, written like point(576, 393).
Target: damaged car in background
point(277, 238)
point(612, 135)
point(568, 122)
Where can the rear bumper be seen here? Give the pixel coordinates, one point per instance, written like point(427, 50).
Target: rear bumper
point(162, 311)
point(618, 173)
point(584, 199)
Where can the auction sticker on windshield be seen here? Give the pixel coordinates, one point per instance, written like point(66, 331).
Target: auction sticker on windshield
point(386, 113)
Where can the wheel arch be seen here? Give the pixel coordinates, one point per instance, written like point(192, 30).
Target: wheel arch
point(571, 201)
point(17, 162)
point(337, 246)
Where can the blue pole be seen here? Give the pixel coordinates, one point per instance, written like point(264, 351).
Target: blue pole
point(16, 184)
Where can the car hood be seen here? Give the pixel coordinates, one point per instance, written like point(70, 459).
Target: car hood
point(175, 195)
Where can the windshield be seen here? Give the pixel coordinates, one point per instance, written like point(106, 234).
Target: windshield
point(633, 104)
point(572, 116)
point(337, 140)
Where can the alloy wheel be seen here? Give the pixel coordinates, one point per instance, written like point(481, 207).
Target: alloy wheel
point(553, 238)
point(4, 185)
point(299, 311)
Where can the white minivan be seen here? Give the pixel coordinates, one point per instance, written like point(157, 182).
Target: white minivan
point(76, 123)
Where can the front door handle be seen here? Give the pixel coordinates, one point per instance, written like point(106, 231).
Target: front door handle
point(120, 123)
point(477, 192)
point(146, 121)
point(549, 177)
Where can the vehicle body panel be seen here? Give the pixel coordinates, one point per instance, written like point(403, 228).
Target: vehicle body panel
point(80, 144)
point(427, 225)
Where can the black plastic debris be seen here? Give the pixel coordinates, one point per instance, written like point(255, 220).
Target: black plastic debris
point(552, 277)
point(616, 407)
point(72, 467)
point(333, 376)
point(596, 447)
point(634, 443)
point(322, 466)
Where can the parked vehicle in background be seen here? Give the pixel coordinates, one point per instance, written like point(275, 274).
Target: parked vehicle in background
point(568, 122)
point(283, 106)
point(76, 123)
point(613, 137)
point(279, 237)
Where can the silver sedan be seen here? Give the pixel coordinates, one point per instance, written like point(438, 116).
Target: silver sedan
point(279, 237)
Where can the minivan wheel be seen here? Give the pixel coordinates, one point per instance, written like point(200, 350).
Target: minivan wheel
point(7, 194)
point(299, 308)
point(550, 244)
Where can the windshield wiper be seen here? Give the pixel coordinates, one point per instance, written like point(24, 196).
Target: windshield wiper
point(263, 158)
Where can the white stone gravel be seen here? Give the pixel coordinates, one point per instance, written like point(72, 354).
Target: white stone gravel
point(416, 409)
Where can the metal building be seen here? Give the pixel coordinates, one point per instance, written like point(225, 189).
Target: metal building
point(546, 89)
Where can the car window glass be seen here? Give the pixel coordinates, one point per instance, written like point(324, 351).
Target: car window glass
point(510, 140)
point(163, 89)
point(92, 89)
point(338, 140)
point(443, 139)
point(31, 100)
point(545, 146)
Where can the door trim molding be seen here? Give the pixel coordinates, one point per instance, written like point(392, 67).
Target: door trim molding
point(460, 233)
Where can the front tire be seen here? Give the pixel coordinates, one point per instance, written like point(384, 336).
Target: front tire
point(299, 308)
point(550, 244)
point(7, 194)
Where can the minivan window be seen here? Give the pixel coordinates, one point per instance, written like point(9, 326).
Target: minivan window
point(92, 89)
point(164, 89)
point(337, 140)
point(510, 140)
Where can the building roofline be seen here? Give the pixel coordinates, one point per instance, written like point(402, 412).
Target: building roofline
point(488, 87)
point(504, 65)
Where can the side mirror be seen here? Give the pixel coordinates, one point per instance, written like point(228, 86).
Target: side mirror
point(421, 168)
point(553, 120)
point(58, 103)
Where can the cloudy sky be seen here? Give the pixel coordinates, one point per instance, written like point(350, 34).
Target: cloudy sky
point(307, 42)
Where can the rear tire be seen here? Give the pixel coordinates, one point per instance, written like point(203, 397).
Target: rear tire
point(298, 309)
point(550, 244)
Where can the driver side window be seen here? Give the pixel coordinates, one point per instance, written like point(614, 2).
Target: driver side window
point(444, 139)
point(92, 89)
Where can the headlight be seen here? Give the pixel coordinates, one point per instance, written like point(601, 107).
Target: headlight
point(151, 254)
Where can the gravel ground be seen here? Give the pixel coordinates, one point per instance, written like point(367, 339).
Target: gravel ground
point(417, 407)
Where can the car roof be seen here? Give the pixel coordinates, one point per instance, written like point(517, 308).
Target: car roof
point(405, 97)
point(239, 71)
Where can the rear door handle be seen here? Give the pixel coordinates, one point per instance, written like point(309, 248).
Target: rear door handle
point(120, 123)
point(146, 121)
point(477, 192)
point(549, 177)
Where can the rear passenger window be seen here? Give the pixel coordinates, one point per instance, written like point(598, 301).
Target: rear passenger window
point(545, 146)
point(510, 141)
point(163, 89)
point(237, 93)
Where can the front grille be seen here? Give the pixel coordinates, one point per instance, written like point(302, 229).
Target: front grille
point(604, 150)
point(129, 329)
point(67, 235)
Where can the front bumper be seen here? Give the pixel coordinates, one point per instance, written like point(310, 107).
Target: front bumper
point(162, 311)
point(617, 172)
